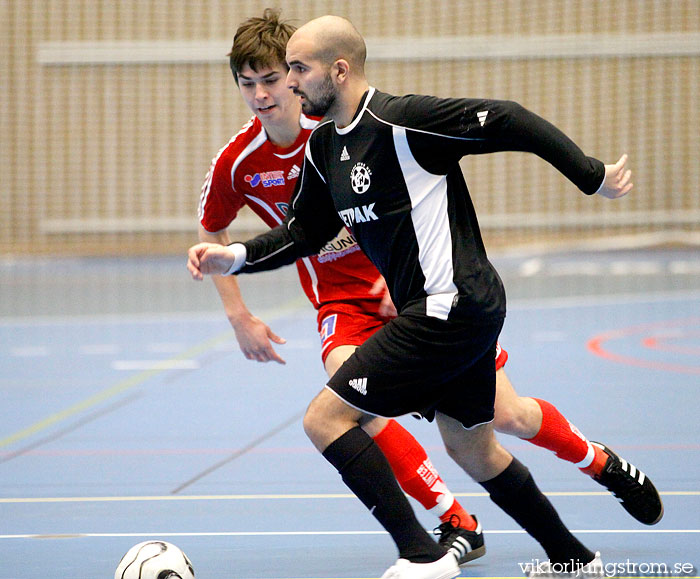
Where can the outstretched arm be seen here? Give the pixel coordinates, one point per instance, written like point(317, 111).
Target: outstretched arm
point(311, 221)
point(275, 248)
point(480, 126)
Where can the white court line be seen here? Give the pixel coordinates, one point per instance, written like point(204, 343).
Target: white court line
point(290, 307)
point(248, 497)
point(30, 352)
point(318, 533)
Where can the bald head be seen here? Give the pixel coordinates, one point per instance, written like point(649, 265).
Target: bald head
point(326, 59)
point(334, 38)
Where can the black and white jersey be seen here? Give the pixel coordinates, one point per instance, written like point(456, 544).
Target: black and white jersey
point(393, 178)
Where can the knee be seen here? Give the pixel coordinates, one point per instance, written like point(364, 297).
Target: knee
point(518, 418)
point(327, 418)
point(480, 461)
point(506, 419)
point(470, 454)
point(312, 420)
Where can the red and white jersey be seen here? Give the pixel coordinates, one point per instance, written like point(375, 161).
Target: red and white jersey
point(253, 171)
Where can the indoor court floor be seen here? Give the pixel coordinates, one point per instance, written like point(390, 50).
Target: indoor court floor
point(128, 414)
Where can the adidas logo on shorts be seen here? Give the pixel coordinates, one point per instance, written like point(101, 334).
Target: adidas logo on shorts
point(359, 384)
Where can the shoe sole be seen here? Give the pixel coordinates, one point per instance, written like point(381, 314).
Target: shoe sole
point(475, 554)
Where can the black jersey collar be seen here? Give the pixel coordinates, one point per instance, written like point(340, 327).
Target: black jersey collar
point(358, 114)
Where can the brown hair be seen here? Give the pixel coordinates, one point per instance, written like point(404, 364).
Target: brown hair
point(260, 42)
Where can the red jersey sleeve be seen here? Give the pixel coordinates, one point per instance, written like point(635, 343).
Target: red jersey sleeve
point(220, 202)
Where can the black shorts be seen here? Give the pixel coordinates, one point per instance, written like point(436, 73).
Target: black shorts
point(418, 364)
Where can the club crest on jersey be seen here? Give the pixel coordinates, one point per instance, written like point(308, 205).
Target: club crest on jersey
point(360, 178)
point(267, 178)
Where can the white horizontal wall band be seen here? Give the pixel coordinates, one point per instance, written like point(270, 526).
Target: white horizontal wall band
point(135, 224)
point(388, 49)
point(534, 220)
point(118, 224)
point(524, 220)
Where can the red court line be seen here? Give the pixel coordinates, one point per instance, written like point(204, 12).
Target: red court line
point(595, 346)
point(661, 343)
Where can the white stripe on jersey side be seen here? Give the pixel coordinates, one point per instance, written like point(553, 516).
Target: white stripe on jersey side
point(314, 278)
point(305, 260)
point(257, 142)
point(428, 193)
point(206, 187)
point(269, 210)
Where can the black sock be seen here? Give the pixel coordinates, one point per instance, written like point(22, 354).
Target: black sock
point(515, 491)
point(366, 472)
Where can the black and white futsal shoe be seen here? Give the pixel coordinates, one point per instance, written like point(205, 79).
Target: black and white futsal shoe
point(631, 487)
point(464, 545)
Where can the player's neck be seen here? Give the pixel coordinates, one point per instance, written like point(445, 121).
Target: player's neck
point(347, 106)
point(283, 135)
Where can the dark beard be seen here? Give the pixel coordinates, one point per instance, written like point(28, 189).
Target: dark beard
point(325, 100)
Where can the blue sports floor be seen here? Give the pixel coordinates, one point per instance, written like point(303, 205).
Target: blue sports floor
point(128, 413)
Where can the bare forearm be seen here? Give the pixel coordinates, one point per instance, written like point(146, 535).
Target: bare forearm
point(227, 286)
point(255, 338)
point(229, 292)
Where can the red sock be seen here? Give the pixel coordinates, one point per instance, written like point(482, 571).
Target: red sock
point(464, 519)
point(417, 476)
point(563, 438)
point(596, 467)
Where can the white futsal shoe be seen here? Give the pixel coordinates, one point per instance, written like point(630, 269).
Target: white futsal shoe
point(445, 568)
point(592, 570)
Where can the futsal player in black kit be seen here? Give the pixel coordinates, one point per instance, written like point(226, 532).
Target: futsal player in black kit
point(387, 167)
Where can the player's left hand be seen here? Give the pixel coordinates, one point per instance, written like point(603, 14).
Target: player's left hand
point(386, 307)
point(209, 258)
point(617, 182)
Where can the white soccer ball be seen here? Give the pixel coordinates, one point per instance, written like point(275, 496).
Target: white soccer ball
point(154, 560)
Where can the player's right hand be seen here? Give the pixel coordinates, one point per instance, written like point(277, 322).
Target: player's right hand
point(255, 340)
point(209, 258)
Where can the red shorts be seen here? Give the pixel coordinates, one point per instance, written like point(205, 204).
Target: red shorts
point(501, 357)
point(351, 323)
point(347, 324)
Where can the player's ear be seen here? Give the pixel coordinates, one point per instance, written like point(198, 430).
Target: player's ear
point(341, 70)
